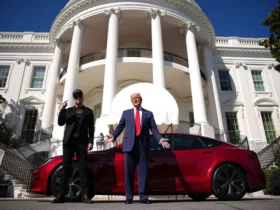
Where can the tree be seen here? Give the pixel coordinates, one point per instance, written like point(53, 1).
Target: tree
point(273, 42)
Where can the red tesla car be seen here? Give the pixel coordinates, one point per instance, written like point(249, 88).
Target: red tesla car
point(194, 165)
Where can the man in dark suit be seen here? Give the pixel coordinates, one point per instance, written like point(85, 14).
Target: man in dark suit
point(78, 138)
point(136, 146)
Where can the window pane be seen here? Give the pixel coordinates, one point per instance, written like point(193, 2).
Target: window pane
point(181, 142)
point(38, 77)
point(258, 81)
point(210, 142)
point(4, 72)
point(225, 80)
point(155, 146)
point(191, 117)
point(29, 123)
point(233, 128)
point(268, 125)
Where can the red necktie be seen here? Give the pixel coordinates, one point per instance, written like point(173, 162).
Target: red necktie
point(137, 122)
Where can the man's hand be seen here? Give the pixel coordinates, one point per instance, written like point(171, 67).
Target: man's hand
point(64, 104)
point(89, 147)
point(109, 138)
point(164, 143)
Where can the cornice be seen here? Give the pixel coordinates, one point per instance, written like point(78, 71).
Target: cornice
point(250, 51)
point(25, 46)
point(75, 7)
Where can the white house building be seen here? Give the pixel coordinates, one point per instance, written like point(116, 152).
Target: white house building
point(165, 49)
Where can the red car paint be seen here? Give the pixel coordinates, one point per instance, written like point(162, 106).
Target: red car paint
point(171, 171)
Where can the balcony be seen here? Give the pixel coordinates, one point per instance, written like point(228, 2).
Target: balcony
point(133, 52)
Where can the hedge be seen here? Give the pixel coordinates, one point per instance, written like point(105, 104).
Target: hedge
point(272, 183)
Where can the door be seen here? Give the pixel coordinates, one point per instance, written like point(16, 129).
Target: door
point(193, 161)
point(161, 162)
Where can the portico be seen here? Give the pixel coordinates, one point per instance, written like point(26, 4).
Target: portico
point(160, 23)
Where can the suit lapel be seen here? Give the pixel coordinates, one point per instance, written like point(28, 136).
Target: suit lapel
point(144, 113)
point(132, 116)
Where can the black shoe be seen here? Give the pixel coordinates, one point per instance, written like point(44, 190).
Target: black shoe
point(59, 199)
point(128, 201)
point(146, 201)
point(85, 199)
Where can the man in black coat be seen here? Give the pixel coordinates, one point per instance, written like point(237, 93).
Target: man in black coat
point(78, 139)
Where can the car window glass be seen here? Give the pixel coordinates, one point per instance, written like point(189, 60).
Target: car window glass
point(181, 142)
point(210, 142)
point(154, 145)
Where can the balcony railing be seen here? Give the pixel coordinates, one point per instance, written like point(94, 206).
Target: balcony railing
point(238, 42)
point(133, 52)
point(232, 137)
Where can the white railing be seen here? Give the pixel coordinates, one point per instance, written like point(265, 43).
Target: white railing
point(238, 42)
point(24, 37)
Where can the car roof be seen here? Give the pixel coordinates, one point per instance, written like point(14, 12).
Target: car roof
point(189, 134)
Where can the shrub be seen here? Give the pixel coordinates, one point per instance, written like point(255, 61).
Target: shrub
point(275, 183)
point(271, 179)
point(5, 133)
point(277, 158)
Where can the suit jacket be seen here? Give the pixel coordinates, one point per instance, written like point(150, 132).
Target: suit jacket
point(68, 117)
point(127, 121)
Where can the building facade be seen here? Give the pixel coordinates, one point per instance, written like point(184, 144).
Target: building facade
point(106, 47)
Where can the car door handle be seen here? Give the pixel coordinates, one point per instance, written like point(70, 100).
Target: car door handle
point(208, 152)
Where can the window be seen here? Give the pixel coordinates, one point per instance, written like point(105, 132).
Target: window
point(38, 77)
point(233, 128)
point(181, 142)
point(155, 146)
point(191, 118)
point(225, 80)
point(268, 126)
point(4, 72)
point(133, 53)
point(210, 142)
point(257, 79)
point(97, 111)
point(29, 123)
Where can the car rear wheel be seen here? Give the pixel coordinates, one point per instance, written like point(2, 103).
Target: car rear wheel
point(199, 197)
point(229, 182)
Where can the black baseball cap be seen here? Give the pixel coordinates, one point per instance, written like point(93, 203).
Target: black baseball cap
point(77, 92)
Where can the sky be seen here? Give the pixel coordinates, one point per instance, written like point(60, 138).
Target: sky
point(239, 18)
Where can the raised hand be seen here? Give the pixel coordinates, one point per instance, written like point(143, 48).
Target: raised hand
point(64, 105)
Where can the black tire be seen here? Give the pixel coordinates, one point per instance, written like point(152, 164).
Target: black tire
point(229, 182)
point(74, 189)
point(199, 197)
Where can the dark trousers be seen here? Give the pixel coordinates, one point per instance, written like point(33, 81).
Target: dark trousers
point(74, 145)
point(137, 156)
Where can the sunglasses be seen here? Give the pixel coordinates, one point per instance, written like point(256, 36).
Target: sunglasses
point(78, 96)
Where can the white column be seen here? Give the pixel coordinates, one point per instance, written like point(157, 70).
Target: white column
point(110, 80)
point(195, 76)
point(199, 109)
point(73, 63)
point(53, 79)
point(212, 86)
point(158, 59)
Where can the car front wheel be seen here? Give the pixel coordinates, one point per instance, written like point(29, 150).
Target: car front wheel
point(229, 182)
point(74, 189)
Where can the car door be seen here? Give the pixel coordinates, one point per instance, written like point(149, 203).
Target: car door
point(193, 161)
point(160, 168)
